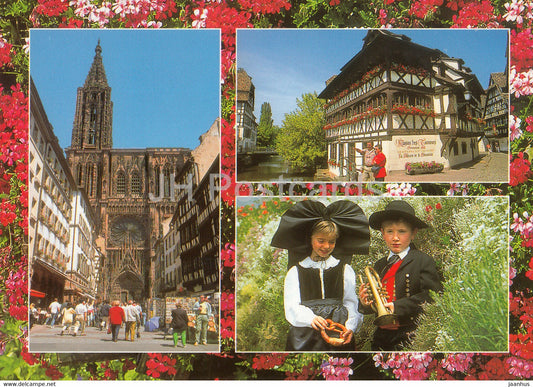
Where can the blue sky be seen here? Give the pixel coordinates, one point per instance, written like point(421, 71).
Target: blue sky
point(165, 84)
point(284, 64)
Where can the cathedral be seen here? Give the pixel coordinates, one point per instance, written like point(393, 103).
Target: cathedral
point(131, 191)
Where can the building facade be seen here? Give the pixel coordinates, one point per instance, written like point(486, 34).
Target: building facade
point(129, 190)
point(417, 102)
point(496, 113)
point(64, 260)
point(246, 121)
point(196, 220)
point(188, 253)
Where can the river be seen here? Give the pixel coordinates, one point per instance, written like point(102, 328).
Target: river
point(272, 169)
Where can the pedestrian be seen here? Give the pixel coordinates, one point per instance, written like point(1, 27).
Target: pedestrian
point(81, 315)
point(116, 318)
point(406, 273)
point(90, 314)
point(368, 158)
point(140, 311)
point(131, 317)
point(104, 314)
point(54, 308)
point(34, 316)
point(321, 286)
point(378, 164)
point(42, 316)
point(202, 321)
point(69, 319)
point(179, 324)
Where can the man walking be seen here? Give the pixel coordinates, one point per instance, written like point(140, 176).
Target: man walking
point(81, 315)
point(368, 158)
point(55, 308)
point(104, 314)
point(139, 309)
point(202, 321)
point(131, 316)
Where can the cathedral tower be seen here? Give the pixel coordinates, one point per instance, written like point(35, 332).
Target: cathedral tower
point(130, 190)
point(93, 119)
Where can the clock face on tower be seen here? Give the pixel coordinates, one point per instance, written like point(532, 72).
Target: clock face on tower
point(125, 229)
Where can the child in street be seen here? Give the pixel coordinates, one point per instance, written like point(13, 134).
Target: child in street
point(406, 273)
point(69, 319)
point(321, 287)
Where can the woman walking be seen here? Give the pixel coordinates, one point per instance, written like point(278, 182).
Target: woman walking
point(116, 318)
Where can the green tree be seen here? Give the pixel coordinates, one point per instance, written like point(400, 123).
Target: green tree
point(266, 131)
point(301, 140)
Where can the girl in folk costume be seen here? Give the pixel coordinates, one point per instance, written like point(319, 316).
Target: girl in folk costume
point(319, 292)
point(407, 274)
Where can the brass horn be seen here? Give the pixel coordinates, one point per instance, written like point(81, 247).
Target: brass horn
point(385, 318)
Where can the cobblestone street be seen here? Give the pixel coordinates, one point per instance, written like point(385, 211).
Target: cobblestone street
point(45, 339)
point(488, 168)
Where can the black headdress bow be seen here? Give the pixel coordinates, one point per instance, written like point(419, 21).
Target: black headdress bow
point(294, 230)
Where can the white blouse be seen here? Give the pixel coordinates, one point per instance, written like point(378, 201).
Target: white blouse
point(299, 315)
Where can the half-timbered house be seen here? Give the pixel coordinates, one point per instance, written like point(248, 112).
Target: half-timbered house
point(417, 102)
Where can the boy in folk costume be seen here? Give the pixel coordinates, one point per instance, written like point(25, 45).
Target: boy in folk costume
point(407, 275)
point(319, 289)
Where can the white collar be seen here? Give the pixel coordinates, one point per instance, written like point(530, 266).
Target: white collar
point(401, 254)
point(308, 263)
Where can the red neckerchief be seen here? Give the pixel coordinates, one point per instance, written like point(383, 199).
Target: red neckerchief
point(388, 281)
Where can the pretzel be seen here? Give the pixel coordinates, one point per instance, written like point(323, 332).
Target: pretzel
point(334, 327)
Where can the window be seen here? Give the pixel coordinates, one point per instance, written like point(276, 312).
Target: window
point(157, 173)
point(121, 183)
point(463, 148)
point(166, 182)
point(333, 151)
point(80, 173)
point(135, 183)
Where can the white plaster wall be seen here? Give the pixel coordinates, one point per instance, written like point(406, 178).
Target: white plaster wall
point(413, 148)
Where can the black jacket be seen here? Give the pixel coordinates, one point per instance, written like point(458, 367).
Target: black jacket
point(416, 275)
point(179, 319)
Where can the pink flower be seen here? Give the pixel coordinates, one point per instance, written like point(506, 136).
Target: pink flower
point(199, 17)
point(82, 7)
point(336, 368)
point(521, 83)
point(382, 17)
point(514, 126)
point(403, 189)
point(101, 15)
point(454, 187)
point(520, 368)
point(457, 362)
point(514, 10)
point(518, 223)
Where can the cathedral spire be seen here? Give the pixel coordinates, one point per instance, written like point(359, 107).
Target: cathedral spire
point(93, 118)
point(96, 76)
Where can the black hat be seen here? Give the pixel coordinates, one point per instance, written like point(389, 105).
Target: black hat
point(294, 230)
point(395, 210)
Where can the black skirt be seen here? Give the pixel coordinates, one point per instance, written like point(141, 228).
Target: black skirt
point(310, 340)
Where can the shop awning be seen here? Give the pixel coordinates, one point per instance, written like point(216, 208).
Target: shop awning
point(36, 293)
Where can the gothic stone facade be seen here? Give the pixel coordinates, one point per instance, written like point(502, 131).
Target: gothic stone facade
point(130, 190)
